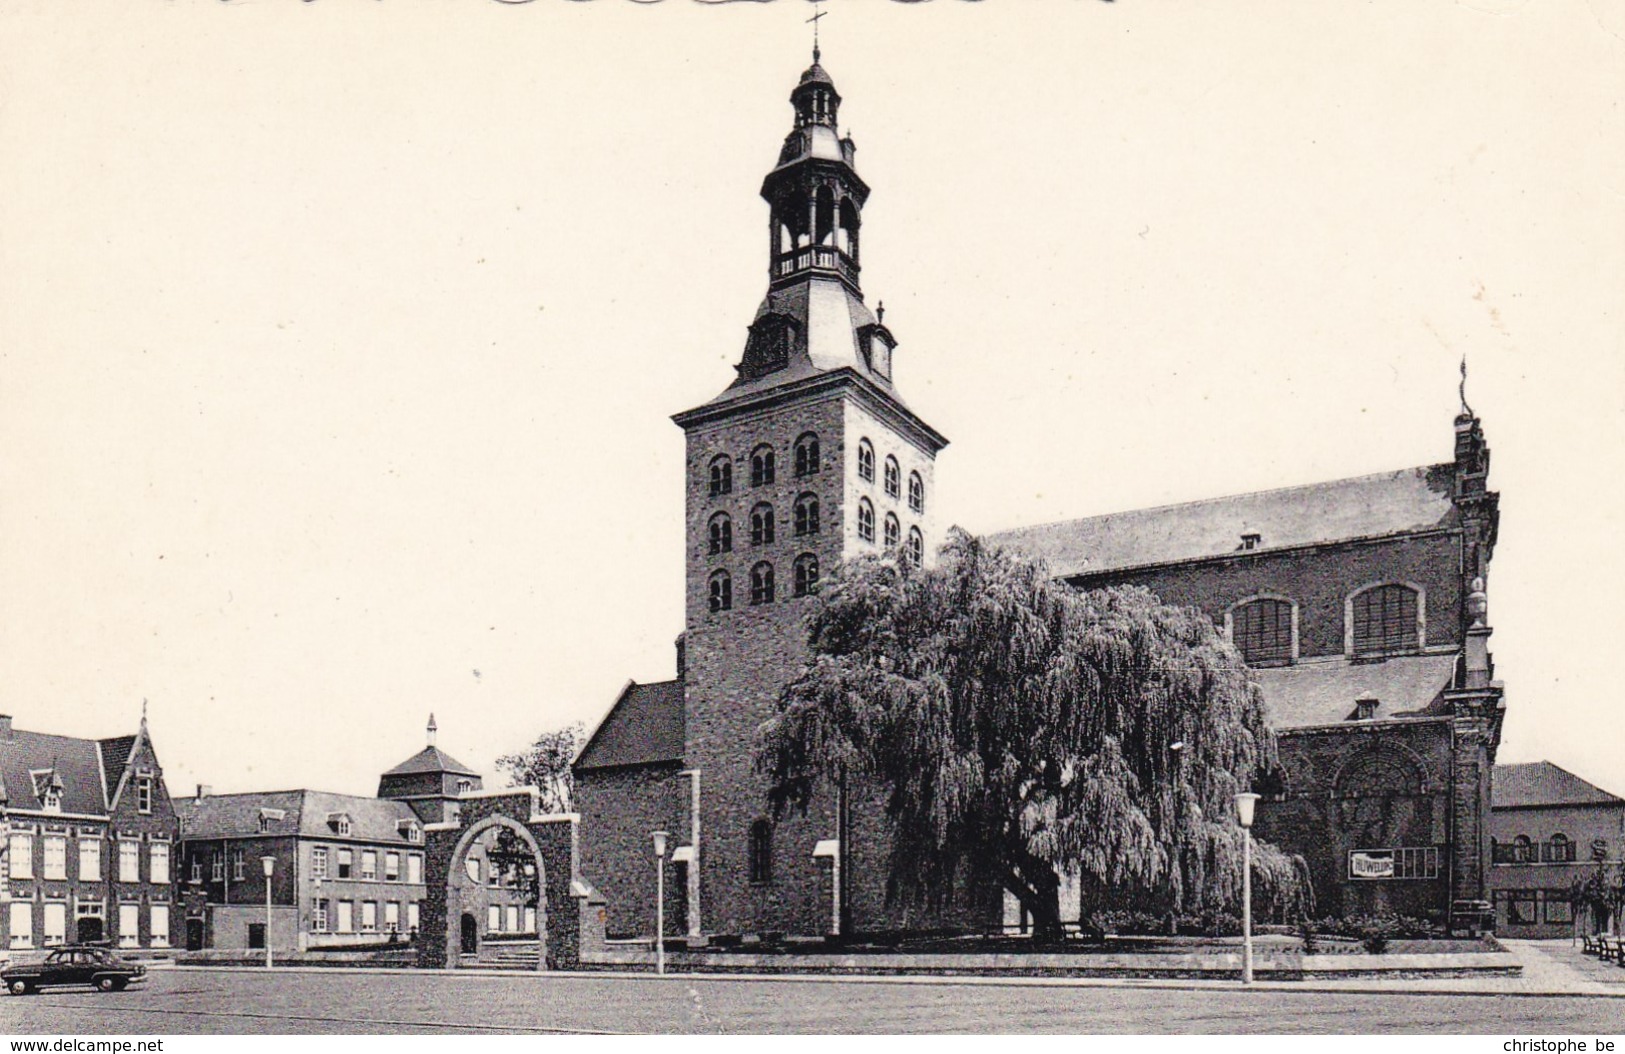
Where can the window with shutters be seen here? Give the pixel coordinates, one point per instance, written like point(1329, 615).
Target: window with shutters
point(1262, 631)
point(1385, 620)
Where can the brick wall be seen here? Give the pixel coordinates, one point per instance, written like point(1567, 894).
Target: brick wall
point(619, 809)
point(1318, 820)
point(1319, 580)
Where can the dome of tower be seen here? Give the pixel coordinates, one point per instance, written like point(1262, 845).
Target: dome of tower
point(815, 74)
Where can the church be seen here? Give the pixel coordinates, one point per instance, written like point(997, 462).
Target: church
point(1361, 605)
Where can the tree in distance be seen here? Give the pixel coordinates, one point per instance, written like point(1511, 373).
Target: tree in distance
point(1018, 729)
point(545, 765)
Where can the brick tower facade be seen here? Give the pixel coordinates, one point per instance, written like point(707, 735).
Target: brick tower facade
point(810, 456)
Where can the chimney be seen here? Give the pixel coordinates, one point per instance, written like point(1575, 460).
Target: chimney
point(1365, 709)
point(5, 726)
point(682, 655)
point(203, 791)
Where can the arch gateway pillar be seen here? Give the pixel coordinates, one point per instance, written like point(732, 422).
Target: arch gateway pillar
point(547, 843)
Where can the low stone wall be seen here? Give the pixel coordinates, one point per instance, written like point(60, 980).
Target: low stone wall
point(1276, 964)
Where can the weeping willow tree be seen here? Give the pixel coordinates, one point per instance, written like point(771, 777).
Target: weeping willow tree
point(1019, 729)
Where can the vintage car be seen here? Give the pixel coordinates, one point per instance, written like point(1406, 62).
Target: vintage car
point(73, 965)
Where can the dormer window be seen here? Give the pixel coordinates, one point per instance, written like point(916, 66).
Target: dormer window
point(48, 789)
point(1251, 541)
point(1365, 709)
point(51, 801)
point(465, 786)
point(269, 817)
point(340, 822)
point(411, 831)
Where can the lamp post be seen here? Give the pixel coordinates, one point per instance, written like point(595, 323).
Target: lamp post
point(1244, 813)
point(269, 864)
point(660, 901)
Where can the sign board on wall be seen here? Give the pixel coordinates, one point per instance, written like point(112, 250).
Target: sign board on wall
point(1371, 863)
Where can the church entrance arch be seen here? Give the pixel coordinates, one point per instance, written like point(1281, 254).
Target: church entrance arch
point(496, 900)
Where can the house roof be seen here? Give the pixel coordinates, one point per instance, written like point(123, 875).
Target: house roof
point(306, 813)
point(1539, 783)
point(1412, 499)
point(431, 759)
point(78, 764)
point(644, 727)
point(1323, 692)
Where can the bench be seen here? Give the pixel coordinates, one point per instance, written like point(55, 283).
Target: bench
point(1592, 945)
point(1610, 946)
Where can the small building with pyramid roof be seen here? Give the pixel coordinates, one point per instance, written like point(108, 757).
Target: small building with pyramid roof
point(430, 782)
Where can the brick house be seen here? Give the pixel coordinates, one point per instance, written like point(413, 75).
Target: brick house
point(348, 871)
point(1550, 830)
point(88, 837)
point(1360, 603)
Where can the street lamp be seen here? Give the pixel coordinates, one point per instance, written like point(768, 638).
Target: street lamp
point(269, 864)
point(1244, 813)
point(660, 901)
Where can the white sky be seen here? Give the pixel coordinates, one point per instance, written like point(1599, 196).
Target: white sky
point(338, 341)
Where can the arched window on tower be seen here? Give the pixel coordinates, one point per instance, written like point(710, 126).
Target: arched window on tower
point(866, 460)
point(1385, 619)
point(825, 217)
point(807, 455)
point(916, 492)
point(722, 534)
point(806, 514)
point(722, 475)
point(894, 478)
point(722, 592)
point(849, 229)
point(916, 547)
point(806, 574)
point(760, 852)
point(761, 466)
point(761, 583)
point(866, 520)
point(894, 532)
point(792, 222)
point(761, 524)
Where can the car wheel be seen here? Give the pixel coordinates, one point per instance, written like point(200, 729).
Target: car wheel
point(106, 984)
point(18, 987)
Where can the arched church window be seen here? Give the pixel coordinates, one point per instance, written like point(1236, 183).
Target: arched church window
point(761, 583)
point(916, 547)
point(722, 592)
point(722, 475)
point(894, 478)
point(761, 852)
point(722, 534)
point(807, 455)
point(1380, 774)
point(894, 532)
point(1262, 631)
point(916, 492)
point(866, 460)
point(1385, 619)
point(761, 524)
point(866, 520)
point(761, 466)
point(806, 514)
point(806, 574)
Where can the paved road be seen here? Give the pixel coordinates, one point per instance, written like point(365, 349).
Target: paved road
point(192, 1002)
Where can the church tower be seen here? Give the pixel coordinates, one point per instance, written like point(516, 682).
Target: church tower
point(809, 457)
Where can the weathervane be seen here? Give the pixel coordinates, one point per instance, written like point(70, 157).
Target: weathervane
point(814, 20)
point(1466, 410)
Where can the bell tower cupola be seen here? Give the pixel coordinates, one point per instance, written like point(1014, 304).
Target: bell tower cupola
point(814, 193)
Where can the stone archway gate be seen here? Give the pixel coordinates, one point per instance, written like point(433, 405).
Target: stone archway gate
point(552, 838)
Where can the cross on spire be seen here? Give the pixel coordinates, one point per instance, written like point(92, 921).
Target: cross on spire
point(814, 20)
